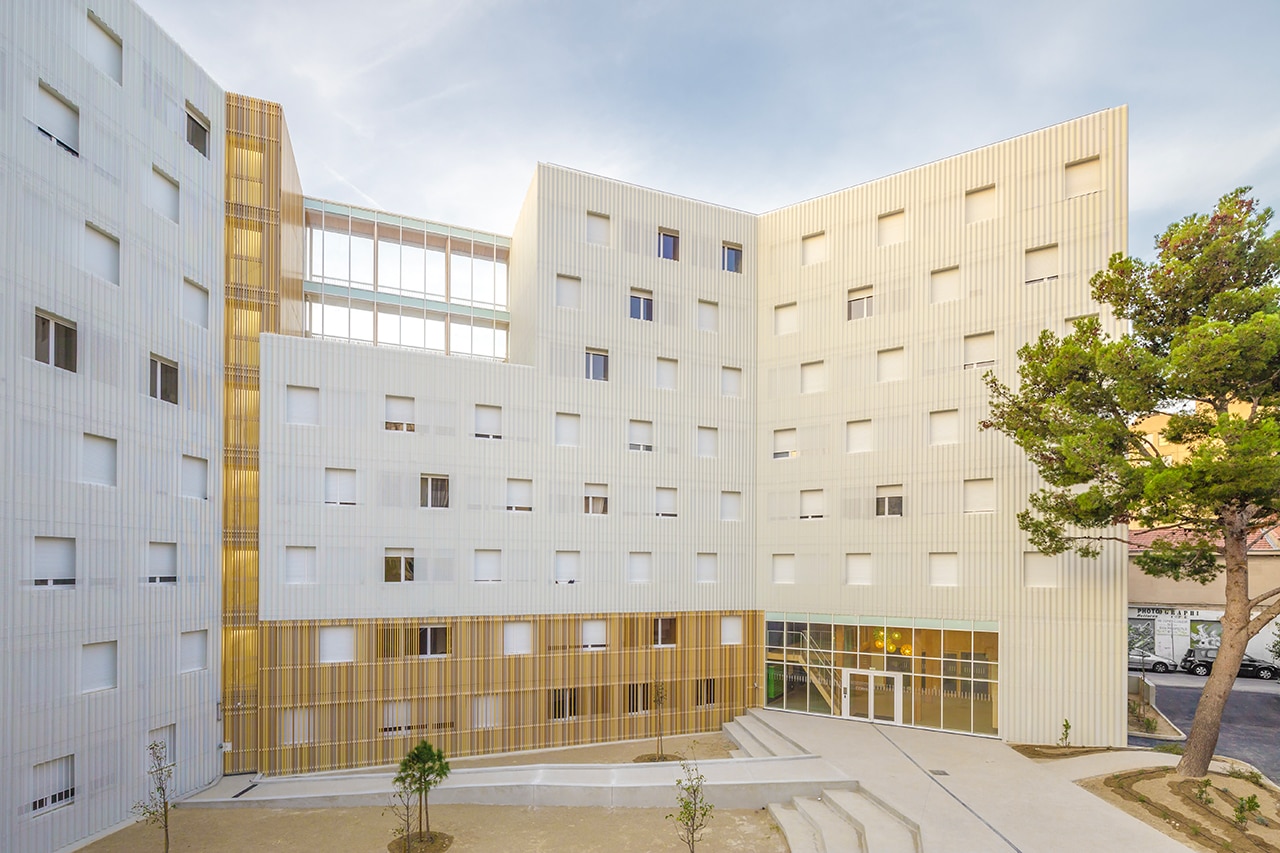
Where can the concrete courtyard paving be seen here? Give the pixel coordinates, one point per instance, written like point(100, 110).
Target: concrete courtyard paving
point(990, 798)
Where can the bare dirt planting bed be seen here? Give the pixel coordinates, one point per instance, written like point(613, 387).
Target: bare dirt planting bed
point(475, 829)
point(1170, 803)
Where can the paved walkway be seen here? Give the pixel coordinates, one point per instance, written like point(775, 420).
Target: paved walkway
point(975, 795)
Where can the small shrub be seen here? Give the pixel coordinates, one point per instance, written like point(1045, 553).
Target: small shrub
point(1171, 748)
point(1202, 791)
point(1247, 807)
point(1248, 775)
point(1149, 724)
point(1064, 740)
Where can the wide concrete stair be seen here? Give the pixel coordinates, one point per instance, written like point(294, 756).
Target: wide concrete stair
point(757, 739)
point(845, 820)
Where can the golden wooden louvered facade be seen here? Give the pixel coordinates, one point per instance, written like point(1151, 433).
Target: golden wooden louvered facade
point(263, 295)
point(477, 699)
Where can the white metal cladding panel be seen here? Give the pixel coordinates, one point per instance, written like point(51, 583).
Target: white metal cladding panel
point(125, 129)
point(351, 540)
point(1081, 625)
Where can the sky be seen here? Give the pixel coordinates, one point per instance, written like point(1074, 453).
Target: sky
point(441, 109)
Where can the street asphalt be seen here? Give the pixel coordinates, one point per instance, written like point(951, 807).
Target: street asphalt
point(1250, 723)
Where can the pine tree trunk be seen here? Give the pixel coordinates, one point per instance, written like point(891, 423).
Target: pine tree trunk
point(427, 807)
point(1203, 739)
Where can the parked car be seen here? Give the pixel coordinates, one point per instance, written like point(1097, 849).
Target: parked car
point(1150, 662)
point(1200, 662)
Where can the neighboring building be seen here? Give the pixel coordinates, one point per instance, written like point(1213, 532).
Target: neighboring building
point(1168, 617)
point(494, 490)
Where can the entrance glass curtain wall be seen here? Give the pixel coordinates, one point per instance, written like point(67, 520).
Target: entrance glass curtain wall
point(928, 673)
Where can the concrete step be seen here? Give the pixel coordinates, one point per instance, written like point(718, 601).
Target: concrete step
point(882, 831)
point(835, 834)
point(773, 740)
point(799, 833)
point(745, 740)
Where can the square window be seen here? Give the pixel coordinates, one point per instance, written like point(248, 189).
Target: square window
point(162, 562)
point(164, 195)
point(704, 692)
point(708, 316)
point(195, 478)
point(1041, 265)
point(98, 460)
point(730, 382)
point(784, 568)
point(637, 698)
point(55, 784)
point(944, 569)
point(397, 565)
point(517, 638)
point(519, 495)
point(784, 443)
point(731, 630)
point(891, 228)
point(891, 365)
point(299, 564)
point(197, 131)
point(731, 258)
point(665, 377)
point(858, 570)
point(640, 567)
point(399, 414)
point(104, 48)
point(337, 644)
point(813, 249)
point(641, 306)
point(433, 641)
point(664, 631)
point(944, 427)
point(101, 254)
point(340, 486)
point(594, 633)
point(595, 500)
point(1084, 177)
point(980, 204)
point(980, 496)
point(1039, 571)
point(195, 304)
point(598, 365)
point(164, 380)
point(53, 561)
point(56, 342)
point(568, 428)
point(889, 501)
point(860, 303)
point(488, 566)
point(563, 703)
point(813, 504)
point(979, 350)
point(434, 491)
point(859, 437)
point(568, 566)
point(97, 667)
point(568, 292)
point(669, 245)
point(640, 436)
point(665, 502)
point(58, 119)
point(945, 285)
point(598, 229)
point(302, 405)
point(708, 442)
point(786, 319)
point(488, 422)
point(705, 568)
point(731, 506)
point(813, 377)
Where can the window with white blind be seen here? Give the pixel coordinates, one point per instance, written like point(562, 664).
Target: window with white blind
point(731, 506)
point(56, 342)
point(980, 495)
point(944, 569)
point(813, 377)
point(1039, 571)
point(813, 503)
point(195, 478)
point(858, 570)
point(97, 667)
point(708, 316)
point(193, 651)
point(337, 644)
point(891, 365)
point(396, 717)
point(53, 784)
point(665, 375)
point(980, 204)
point(1084, 177)
point(595, 500)
point(786, 319)
point(891, 228)
point(299, 564)
point(101, 254)
point(162, 562)
point(1041, 265)
point(53, 561)
point(302, 405)
point(889, 500)
point(598, 229)
point(813, 249)
point(519, 495)
point(568, 428)
point(730, 382)
point(944, 427)
point(517, 638)
point(859, 437)
point(58, 119)
point(340, 486)
point(195, 304)
point(568, 566)
point(399, 414)
point(979, 350)
point(708, 442)
point(594, 634)
point(167, 738)
point(487, 566)
point(944, 285)
point(164, 195)
point(730, 630)
point(568, 292)
point(486, 712)
point(103, 48)
point(488, 422)
point(98, 460)
point(861, 303)
point(640, 436)
point(706, 568)
point(398, 565)
point(297, 725)
point(784, 443)
point(664, 502)
point(640, 567)
point(784, 568)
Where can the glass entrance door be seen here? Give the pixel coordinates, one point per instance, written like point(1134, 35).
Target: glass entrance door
point(874, 696)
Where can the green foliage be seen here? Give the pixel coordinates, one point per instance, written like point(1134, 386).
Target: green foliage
point(1202, 791)
point(1149, 725)
point(1274, 648)
point(1064, 739)
point(421, 770)
point(693, 811)
point(1170, 748)
point(1205, 328)
point(155, 808)
point(1248, 775)
point(1247, 807)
